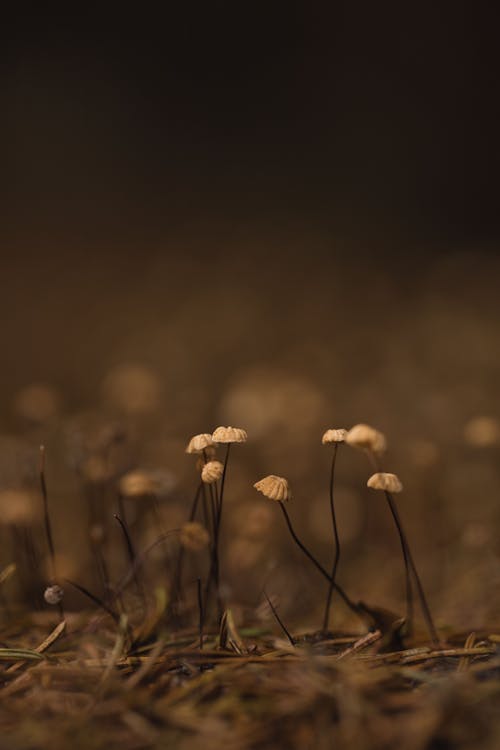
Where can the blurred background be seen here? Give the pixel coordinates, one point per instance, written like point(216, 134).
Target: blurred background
point(281, 218)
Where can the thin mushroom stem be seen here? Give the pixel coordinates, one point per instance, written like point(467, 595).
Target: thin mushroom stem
point(409, 559)
point(48, 525)
point(46, 514)
point(177, 577)
point(406, 557)
point(216, 561)
point(278, 619)
point(140, 559)
point(211, 516)
point(200, 612)
point(132, 555)
point(404, 546)
point(337, 542)
point(410, 567)
point(352, 606)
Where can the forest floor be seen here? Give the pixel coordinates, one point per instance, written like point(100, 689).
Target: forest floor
point(81, 684)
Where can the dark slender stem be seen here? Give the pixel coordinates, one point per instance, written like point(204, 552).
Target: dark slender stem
point(200, 611)
point(337, 542)
point(121, 508)
point(102, 567)
point(177, 577)
point(48, 525)
point(46, 516)
point(317, 565)
point(406, 557)
point(213, 572)
point(131, 556)
point(194, 506)
point(411, 564)
point(139, 560)
point(223, 481)
point(216, 561)
point(96, 600)
point(374, 460)
point(205, 507)
point(278, 619)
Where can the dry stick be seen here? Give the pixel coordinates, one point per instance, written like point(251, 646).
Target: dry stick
point(278, 618)
point(353, 607)
point(48, 527)
point(365, 640)
point(337, 542)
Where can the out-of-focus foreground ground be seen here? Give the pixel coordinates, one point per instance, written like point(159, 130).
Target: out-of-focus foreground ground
point(284, 334)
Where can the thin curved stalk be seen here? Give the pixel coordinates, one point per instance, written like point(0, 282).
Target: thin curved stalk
point(177, 577)
point(131, 553)
point(406, 557)
point(48, 525)
point(410, 567)
point(326, 618)
point(278, 619)
point(411, 564)
point(216, 559)
point(318, 565)
point(373, 458)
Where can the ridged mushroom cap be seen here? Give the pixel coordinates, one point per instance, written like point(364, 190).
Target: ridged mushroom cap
point(212, 472)
point(385, 481)
point(334, 436)
point(229, 435)
point(199, 443)
point(273, 487)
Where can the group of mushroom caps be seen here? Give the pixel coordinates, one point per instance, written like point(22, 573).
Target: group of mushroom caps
point(360, 436)
point(277, 488)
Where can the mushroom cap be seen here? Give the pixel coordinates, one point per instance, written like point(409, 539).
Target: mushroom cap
point(53, 594)
point(385, 481)
point(199, 443)
point(212, 471)
point(138, 483)
point(273, 487)
point(334, 436)
point(229, 435)
point(367, 438)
